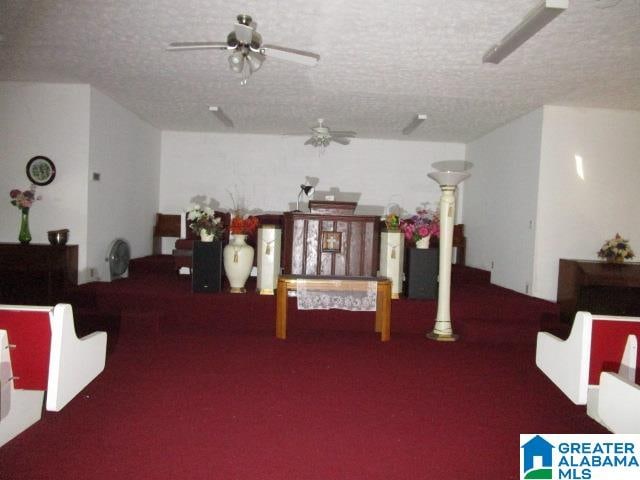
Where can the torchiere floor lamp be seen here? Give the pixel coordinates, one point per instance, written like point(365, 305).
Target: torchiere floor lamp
point(448, 182)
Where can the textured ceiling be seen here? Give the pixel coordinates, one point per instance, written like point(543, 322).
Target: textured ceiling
point(380, 63)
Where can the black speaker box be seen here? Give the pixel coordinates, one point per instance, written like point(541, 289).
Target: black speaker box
point(422, 273)
point(206, 274)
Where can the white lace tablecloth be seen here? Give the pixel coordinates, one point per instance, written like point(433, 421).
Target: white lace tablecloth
point(358, 298)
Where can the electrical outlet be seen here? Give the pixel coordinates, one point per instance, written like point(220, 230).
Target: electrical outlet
point(92, 273)
point(491, 264)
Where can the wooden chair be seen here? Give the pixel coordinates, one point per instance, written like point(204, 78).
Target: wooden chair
point(39, 351)
point(460, 244)
point(166, 226)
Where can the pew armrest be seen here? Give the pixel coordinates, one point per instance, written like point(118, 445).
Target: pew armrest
point(619, 403)
point(73, 362)
point(566, 362)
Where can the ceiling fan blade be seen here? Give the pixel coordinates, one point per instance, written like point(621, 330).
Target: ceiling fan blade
point(244, 33)
point(348, 133)
point(309, 142)
point(290, 55)
point(341, 140)
point(197, 45)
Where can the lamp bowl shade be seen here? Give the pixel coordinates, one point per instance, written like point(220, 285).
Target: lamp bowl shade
point(449, 178)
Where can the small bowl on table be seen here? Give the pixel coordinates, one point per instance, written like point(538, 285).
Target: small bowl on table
point(58, 237)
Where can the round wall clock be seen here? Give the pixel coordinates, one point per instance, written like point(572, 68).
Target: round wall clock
point(41, 170)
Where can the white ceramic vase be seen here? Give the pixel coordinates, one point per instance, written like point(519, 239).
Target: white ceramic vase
point(423, 242)
point(238, 261)
point(206, 237)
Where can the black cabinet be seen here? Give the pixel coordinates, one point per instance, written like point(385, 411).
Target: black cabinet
point(422, 273)
point(206, 272)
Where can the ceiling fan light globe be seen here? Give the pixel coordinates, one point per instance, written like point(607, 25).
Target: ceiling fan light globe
point(236, 58)
point(255, 61)
point(236, 62)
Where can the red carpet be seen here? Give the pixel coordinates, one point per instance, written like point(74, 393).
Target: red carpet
point(197, 387)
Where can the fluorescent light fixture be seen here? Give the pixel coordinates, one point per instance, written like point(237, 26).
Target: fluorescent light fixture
point(527, 28)
point(417, 120)
point(217, 111)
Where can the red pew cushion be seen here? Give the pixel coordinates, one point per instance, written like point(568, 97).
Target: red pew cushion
point(608, 339)
point(30, 332)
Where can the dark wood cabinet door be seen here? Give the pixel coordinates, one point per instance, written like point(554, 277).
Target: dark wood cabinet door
point(37, 274)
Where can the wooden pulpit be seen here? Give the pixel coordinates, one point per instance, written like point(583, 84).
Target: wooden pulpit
point(331, 240)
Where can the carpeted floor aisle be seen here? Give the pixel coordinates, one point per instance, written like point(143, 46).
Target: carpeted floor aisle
point(221, 398)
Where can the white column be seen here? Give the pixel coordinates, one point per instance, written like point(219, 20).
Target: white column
point(268, 250)
point(392, 260)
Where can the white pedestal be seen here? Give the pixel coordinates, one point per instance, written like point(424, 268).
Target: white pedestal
point(392, 260)
point(268, 249)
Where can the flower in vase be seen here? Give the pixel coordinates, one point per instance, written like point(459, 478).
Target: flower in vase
point(617, 249)
point(392, 222)
point(424, 223)
point(24, 199)
point(203, 219)
point(243, 225)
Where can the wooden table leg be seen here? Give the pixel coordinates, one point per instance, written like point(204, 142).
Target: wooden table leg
point(378, 325)
point(383, 311)
point(281, 309)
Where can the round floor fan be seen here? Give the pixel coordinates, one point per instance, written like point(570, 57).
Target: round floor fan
point(118, 256)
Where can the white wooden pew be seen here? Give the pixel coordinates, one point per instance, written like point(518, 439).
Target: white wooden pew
point(597, 347)
point(618, 406)
point(39, 351)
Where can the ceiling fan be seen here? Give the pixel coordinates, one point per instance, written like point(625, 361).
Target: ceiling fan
point(247, 47)
point(322, 136)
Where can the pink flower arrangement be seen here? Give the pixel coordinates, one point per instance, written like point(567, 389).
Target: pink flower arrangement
point(423, 224)
point(24, 199)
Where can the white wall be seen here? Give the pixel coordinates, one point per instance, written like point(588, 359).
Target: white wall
point(50, 120)
point(576, 216)
point(82, 131)
point(267, 170)
point(500, 201)
point(125, 152)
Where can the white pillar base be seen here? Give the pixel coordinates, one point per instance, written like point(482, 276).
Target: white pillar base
point(442, 337)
